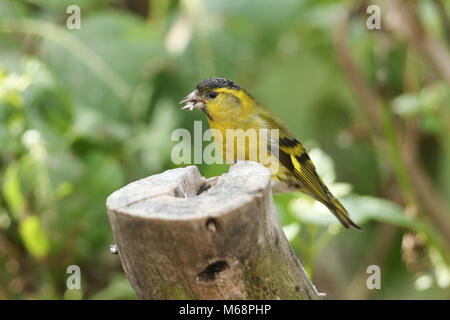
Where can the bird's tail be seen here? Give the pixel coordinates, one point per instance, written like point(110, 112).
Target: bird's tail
point(340, 212)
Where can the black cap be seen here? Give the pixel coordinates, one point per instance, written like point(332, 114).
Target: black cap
point(214, 83)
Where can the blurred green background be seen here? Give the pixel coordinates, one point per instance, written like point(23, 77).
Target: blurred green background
point(84, 112)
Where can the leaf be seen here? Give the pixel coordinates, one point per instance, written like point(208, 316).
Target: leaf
point(361, 208)
point(429, 99)
point(94, 126)
point(11, 87)
point(364, 208)
point(291, 230)
point(104, 174)
point(310, 211)
point(407, 104)
point(324, 165)
point(12, 192)
point(34, 237)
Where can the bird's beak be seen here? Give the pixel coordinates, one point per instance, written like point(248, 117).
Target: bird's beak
point(193, 100)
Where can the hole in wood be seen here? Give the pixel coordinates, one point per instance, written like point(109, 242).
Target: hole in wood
point(203, 188)
point(177, 193)
point(211, 224)
point(212, 271)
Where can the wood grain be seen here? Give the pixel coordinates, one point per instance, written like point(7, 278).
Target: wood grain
point(181, 236)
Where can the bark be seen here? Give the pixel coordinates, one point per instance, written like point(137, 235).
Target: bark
point(181, 236)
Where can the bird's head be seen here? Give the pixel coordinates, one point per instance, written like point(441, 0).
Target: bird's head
point(219, 98)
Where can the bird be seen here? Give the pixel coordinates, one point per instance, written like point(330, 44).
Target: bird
point(227, 106)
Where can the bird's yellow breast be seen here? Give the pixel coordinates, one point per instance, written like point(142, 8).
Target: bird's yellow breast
point(235, 142)
point(240, 133)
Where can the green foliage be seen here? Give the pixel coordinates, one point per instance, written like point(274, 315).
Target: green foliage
point(83, 112)
point(34, 237)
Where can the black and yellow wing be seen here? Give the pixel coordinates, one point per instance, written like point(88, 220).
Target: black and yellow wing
point(293, 157)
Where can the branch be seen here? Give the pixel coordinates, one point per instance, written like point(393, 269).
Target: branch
point(401, 18)
point(181, 236)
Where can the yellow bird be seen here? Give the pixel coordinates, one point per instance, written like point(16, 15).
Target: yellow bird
point(229, 107)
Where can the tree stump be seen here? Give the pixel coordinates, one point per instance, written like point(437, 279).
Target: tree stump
point(181, 236)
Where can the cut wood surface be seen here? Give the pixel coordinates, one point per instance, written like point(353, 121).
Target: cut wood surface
point(182, 236)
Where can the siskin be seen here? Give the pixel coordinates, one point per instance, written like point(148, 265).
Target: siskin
point(228, 106)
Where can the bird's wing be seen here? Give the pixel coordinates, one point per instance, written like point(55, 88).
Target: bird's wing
point(301, 166)
point(293, 156)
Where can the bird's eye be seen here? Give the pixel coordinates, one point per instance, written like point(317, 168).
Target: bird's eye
point(212, 94)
